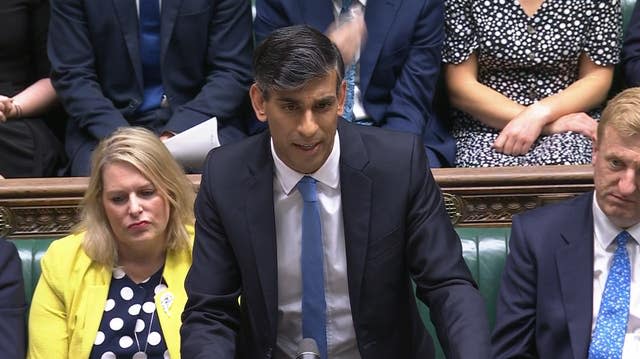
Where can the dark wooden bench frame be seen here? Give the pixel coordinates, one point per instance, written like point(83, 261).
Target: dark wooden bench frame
point(479, 197)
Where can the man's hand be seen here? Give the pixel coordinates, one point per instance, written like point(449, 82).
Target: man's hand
point(166, 135)
point(349, 34)
point(519, 134)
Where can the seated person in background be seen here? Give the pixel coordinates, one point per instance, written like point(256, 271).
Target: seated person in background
point(631, 50)
point(115, 287)
point(321, 230)
point(28, 147)
point(12, 303)
point(391, 77)
point(525, 77)
point(168, 69)
point(571, 284)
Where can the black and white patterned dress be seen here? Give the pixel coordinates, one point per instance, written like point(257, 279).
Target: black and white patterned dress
point(527, 59)
point(130, 327)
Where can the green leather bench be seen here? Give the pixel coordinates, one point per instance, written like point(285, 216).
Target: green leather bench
point(484, 250)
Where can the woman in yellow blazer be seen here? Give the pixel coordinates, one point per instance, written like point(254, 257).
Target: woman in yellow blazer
point(115, 288)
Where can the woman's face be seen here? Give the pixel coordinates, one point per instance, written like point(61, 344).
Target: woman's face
point(137, 213)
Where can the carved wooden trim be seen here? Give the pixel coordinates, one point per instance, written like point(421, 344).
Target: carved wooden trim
point(478, 197)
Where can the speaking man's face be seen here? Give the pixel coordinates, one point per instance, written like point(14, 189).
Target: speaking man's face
point(616, 175)
point(302, 122)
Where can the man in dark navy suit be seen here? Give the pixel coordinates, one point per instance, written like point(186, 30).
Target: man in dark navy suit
point(12, 303)
point(320, 227)
point(567, 261)
point(167, 65)
point(397, 55)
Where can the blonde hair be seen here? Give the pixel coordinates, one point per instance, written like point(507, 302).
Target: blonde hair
point(622, 113)
point(143, 150)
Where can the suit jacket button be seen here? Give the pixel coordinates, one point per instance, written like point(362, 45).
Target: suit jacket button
point(164, 102)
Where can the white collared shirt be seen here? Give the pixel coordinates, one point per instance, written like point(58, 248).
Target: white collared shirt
point(604, 247)
point(138, 6)
point(341, 339)
point(358, 107)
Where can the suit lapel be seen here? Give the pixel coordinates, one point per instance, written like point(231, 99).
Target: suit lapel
point(260, 214)
point(575, 268)
point(168, 16)
point(356, 189)
point(317, 13)
point(128, 17)
point(171, 301)
point(379, 16)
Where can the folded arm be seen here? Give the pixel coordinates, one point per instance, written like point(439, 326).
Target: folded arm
point(32, 101)
point(521, 125)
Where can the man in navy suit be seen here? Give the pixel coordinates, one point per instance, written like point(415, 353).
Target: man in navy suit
point(167, 65)
point(12, 303)
point(398, 63)
point(631, 49)
point(382, 220)
point(553, 288)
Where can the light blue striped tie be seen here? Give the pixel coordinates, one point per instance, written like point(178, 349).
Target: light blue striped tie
point(350, 75)
point(314, 307)
point(611, 325)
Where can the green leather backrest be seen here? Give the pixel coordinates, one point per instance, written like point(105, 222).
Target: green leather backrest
point(31, 251)
point(484, 250)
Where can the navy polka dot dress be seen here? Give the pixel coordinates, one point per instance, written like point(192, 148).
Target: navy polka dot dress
point(130, 327)
point(527, 59)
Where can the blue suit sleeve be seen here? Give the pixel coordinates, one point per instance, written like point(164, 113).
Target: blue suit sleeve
point(631, 50)
point(12, 303)
point(228, 60)
point(412, 95)
point(211, 318)
point(514, 332)
point(443, 281)
point(73, 71)
point(270, 15)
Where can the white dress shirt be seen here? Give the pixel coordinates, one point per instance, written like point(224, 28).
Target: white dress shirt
point(341, 338)
point(138, 6)
point(604, 247)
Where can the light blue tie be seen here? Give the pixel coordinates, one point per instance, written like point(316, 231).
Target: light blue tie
point(350, 74)
point(611, 325)
point(314, 307)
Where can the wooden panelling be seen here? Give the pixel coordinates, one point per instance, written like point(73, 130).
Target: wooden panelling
point(479, 197)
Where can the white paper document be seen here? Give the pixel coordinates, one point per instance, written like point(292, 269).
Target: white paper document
point(190, 147)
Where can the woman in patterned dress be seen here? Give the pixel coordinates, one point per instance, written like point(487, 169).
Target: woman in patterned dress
point(115, 288)
point(526, 78)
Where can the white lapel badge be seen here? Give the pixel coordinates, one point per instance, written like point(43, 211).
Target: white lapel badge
point(166, 299)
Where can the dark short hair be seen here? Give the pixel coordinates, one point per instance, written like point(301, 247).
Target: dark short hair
point(292, 56)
